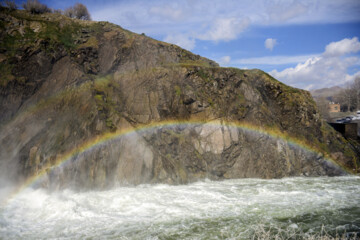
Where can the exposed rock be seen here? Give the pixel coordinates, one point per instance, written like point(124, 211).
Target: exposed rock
point(69, 83)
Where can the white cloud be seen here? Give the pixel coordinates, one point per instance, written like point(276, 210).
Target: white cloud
point(181, 40)
point(225, 60)
point(225, 29)
point(190, 14)
point(282, 11)
point(273, 60)
point(217, 20)
point(342, 47)
point(168, 12)
point(325, 70)
point(270, 43)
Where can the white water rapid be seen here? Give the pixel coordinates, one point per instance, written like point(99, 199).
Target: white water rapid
point(231, 209)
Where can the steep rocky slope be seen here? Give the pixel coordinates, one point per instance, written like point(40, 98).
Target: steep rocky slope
point(66, 83)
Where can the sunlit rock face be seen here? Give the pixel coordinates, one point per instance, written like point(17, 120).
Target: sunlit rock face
point(126, 160)
point(71, 82)
point(182, 153)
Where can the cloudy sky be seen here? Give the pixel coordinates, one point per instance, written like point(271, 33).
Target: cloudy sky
point(307, 44)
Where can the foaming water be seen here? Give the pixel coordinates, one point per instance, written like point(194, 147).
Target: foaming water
point(202, 210)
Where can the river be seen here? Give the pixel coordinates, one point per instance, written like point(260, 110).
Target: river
point(230, 209)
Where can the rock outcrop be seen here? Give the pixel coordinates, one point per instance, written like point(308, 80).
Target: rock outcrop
point(67, 82)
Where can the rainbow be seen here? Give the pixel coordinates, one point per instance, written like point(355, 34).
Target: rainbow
point(105, 138)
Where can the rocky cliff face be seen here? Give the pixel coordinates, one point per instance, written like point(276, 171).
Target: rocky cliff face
point(67, 82)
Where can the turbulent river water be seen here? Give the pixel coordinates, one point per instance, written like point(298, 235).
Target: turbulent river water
point(231, 209)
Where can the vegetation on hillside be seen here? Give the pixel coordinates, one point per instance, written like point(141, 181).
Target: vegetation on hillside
point(78, 11)
point(35, 7)
point(10, 4)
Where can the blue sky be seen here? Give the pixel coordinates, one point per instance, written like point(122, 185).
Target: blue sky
point(307, 44)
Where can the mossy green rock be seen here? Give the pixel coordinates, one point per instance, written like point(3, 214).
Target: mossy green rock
point(66, 83)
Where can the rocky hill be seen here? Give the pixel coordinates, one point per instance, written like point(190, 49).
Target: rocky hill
point(66, 83)
point(326, 93)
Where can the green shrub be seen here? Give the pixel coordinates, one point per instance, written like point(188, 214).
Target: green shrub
point(35, 7)
point(10, 4)
point(78, 11)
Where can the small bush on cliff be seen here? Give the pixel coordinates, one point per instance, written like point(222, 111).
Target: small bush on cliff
point(78, 11)
point(35, 7)
point(58, 11)
point(70, 12)
point(11, 5)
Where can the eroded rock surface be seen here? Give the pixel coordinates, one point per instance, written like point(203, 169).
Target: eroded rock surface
point(68, 82)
